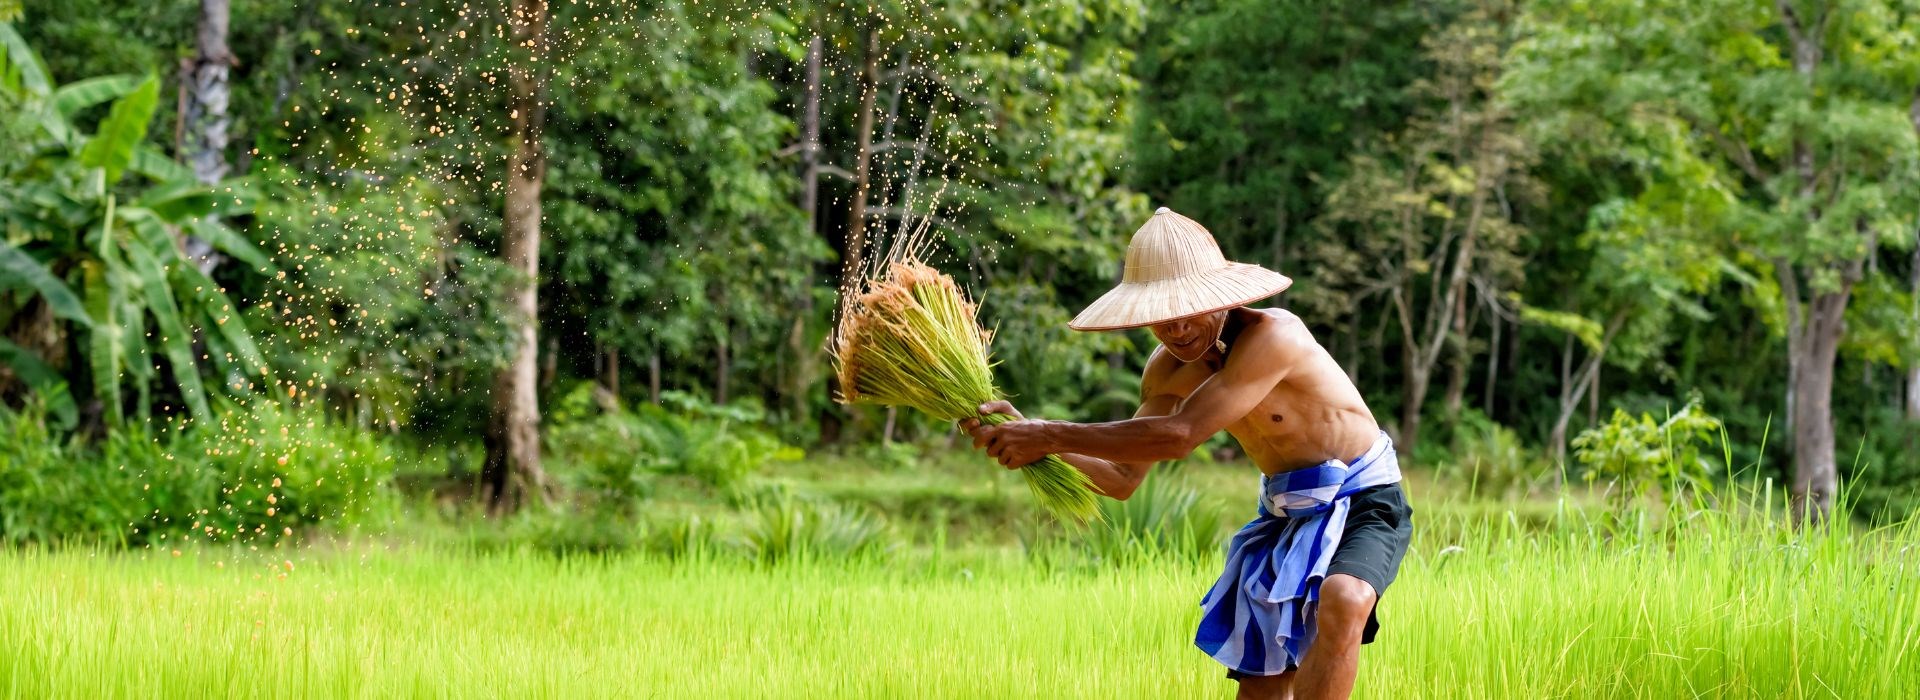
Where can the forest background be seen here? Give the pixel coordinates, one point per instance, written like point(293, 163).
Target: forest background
point(589, 252)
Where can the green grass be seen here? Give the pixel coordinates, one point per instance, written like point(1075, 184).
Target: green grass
point(1708, 607)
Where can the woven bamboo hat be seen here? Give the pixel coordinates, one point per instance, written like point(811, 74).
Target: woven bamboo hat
point(1175, 270)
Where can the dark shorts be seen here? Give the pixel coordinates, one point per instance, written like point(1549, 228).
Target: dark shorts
point(1379, 527)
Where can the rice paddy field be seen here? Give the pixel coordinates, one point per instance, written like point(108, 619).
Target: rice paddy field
point(1713, 607)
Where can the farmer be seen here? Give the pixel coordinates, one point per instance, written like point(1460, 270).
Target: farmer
point(1303, 578)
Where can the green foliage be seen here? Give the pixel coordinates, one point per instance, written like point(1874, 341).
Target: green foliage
point(676, 230)
point(1163, 518)
point(1438, 202)
point(71, 223)
point(1731, 151)
point(1030, 134)
point(1636, 455)
point(251, 479)
point(616, 454)
point(392, 321)
point(1880, 466)
point(783, 527)
point(1490, 459)
point(111, 148)
point(19, 268)
point(1250, 109)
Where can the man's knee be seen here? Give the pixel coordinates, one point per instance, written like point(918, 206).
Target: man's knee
point(1345, 604)
point(1278, 687)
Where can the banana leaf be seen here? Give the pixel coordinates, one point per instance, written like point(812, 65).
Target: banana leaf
point(46, 382)
point(18, 269)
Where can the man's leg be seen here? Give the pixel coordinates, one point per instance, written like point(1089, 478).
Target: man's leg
point(1334, 658)
point(1266, 687)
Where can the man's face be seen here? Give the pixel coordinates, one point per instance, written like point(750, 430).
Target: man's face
point(1189, 338)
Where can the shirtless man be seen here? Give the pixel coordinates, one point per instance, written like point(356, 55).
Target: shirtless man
point(1302, 580)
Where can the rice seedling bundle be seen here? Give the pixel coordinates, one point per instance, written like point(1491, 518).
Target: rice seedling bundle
point(910, 339)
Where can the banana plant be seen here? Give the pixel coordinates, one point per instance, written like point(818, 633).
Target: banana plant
point(90, 225)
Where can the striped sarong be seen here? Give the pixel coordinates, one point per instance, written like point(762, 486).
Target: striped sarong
point(1258, 618)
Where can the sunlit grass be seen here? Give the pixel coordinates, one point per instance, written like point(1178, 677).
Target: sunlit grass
point(1715, 607)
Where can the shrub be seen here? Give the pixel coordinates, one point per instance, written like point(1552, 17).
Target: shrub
point(616, 453)
point(1637, 454)
point(1162, 518)
point(54, 489)
point(784, 527)
point(257, 475)
point(1879, 471)
point(1488, 456)
point(281, 468)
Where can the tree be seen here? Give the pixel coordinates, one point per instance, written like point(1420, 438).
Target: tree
point(1800, 109)
point(512, 473)
point(1913, 372)
point(1433, 213)
point(203, 121)
point(1913, 289)
point(1251, 109)
point(84, 224)
point(676, 237)
point(1648, 262)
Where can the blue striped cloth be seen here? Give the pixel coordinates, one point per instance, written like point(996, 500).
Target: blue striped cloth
point(1258, 618)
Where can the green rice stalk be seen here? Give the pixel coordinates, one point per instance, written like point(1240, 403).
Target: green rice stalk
point(911, 339)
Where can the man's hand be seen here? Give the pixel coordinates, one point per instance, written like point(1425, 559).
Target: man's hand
point(1015, 444)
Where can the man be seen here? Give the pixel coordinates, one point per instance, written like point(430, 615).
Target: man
point(1298, 595)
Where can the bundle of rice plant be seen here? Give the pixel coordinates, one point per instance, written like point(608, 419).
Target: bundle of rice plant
point(910, 339)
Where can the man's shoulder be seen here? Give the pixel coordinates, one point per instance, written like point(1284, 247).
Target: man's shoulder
point(1159, 363)
point(1276, 331)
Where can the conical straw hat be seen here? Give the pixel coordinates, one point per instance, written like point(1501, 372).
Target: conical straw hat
point(1175, 270)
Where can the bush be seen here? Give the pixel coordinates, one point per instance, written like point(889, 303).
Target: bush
point(258, 475)
point(56, 490)
point(614, 455)
point(1162, 518)
point(1488, 456)
point(784, 527)
point(1637, 454)
point(1879, 471)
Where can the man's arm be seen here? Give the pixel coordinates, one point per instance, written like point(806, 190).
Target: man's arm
point(1113, 479)
point(1262, 357)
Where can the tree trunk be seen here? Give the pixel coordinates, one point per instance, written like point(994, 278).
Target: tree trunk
point(512, 473)
point(803, 359)
point(1443, 318)
point(1913, 373)
point(653, 378)
point(722, 370)
point(1815, 477)
point(550, 364)
point(610, 371)
point(1574, 386)
point(1570, 395)
point(1413, 395)
point(1457, 368)
point(850, 262)
point(810, 128)
point(853, 257)
point(1593, 397)
point(1913, 393)
point(1493, 364)
point(203, 118)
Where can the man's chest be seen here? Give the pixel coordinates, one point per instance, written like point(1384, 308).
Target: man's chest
point(1276, 415)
